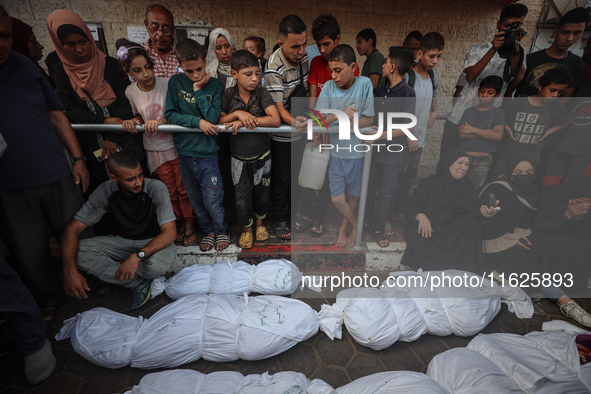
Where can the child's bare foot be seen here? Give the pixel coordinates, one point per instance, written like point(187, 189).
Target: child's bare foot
point(341, 238)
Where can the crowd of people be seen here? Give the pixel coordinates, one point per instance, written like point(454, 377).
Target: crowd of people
point(511, 193)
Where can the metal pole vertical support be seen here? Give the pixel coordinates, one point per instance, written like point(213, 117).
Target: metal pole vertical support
point(362, 200)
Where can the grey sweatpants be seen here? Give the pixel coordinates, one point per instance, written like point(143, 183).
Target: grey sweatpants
point(102, 256)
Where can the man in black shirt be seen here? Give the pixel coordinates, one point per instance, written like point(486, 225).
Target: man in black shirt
point(568, 32)
point(143, 246)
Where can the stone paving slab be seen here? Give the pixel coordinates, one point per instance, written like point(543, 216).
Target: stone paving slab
point(336, 362)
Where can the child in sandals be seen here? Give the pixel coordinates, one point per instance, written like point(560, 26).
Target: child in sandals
point(147, 96)
point(193, 100)
point(248, 105)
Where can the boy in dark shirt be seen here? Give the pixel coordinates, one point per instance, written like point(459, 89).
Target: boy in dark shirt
point(570, 157)
point(531, 120)
point(569, 31)
point(366, 46)
point(479, 129)
point(193, 100)
point(247, 104)
point(396, 96)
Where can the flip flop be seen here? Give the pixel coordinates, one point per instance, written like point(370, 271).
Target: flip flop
point(186, 238)
point(207, 240)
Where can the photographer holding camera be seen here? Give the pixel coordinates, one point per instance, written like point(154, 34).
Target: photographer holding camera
point(569, 31)
point(483, 60)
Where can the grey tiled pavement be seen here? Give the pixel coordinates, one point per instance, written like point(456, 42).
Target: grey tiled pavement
point(336, 362)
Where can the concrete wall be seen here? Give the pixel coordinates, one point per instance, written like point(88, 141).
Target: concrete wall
point(462, 23)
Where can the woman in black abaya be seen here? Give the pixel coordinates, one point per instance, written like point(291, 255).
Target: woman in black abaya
point(563, 215)
point(442, 231)
point(510, 246)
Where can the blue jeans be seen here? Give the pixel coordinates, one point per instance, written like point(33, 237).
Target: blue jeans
point(205, 189)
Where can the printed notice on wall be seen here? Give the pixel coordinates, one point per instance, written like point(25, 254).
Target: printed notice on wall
point(198, 35)
point(137, 34)
point(94, 30)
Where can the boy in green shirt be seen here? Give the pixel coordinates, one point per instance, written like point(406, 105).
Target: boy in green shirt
point(194, 100)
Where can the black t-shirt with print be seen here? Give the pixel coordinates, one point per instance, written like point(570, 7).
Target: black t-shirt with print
point(539, 62)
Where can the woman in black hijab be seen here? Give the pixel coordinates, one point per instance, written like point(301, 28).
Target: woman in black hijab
point(442, 231)
point(511, 248)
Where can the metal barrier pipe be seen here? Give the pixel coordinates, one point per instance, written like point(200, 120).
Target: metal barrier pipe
point(170, 128)
point(362, 200)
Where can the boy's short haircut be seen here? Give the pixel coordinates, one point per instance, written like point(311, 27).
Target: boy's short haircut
point(189, 49)
point(3, 11)
point(402, 57)
point(368, 34)
point(243, 59)
point(325, 25)
point(291, 24)
point(258, 41)
point(431, 41)
point(414, 34)
point(492, 82)
point(516, 10)
point(559, 75)
point(576, 15)
point(342, 53)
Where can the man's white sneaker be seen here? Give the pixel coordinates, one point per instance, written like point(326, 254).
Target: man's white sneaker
point(575, 312)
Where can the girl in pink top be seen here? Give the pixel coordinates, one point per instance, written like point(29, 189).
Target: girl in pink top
point(147, 96)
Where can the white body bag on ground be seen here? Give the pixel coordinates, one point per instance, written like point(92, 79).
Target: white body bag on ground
point(272, 277)
point(377, 318)
point(539, 362)
point(182, 381)
point(219, 328)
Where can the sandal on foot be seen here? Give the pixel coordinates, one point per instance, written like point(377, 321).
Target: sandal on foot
point(186, 241)
point(261, 233)
point(221, 238)
point(380, 238)
point(245, 241)
point(207, 240)
point(316, 230)
point(302, 223)
point(282, 230)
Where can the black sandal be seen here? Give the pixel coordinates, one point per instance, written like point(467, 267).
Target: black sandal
point(316, 230)
point(302, 223)
point(282, 230)
point(380, 237)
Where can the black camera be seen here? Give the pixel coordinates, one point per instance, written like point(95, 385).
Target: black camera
point(512, 36)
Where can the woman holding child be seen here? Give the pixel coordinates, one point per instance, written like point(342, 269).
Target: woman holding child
point(512, 248)
point(92, 89)
point(443, 231)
